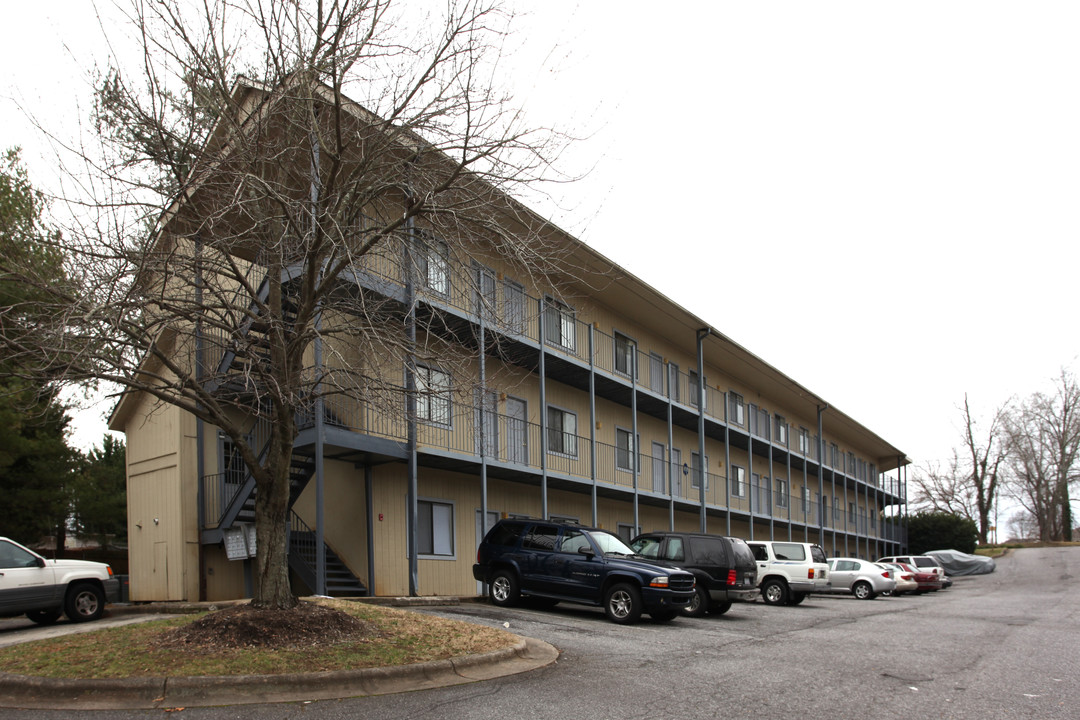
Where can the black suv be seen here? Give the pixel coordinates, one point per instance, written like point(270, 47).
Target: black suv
point(556, 561)
point(723, 567)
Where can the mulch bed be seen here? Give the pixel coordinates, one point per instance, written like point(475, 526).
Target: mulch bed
point(245, 626)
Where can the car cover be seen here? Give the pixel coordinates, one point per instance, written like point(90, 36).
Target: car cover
point(961, 563)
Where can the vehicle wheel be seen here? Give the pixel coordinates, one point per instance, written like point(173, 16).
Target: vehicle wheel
point(699, 604)
point(84, 602)
point(663, 615)
point(774, 592)
point(504, 589)
point(623, 604)
point(797, 598)
point(44, 617)
point(863, 591)
point(719, 608)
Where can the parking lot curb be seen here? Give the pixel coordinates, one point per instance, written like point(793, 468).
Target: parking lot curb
point(20, 691)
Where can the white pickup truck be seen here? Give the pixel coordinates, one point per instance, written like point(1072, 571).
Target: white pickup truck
point(44, 588)
point(789, 571)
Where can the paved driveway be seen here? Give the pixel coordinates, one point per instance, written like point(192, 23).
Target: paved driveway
point(15, 630)
point(993, 646)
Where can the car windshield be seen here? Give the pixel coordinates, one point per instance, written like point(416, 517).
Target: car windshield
point(609, 543)
point(647, 546)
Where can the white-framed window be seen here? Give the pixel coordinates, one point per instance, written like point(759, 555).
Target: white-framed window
point(432, 395)
point(837, 508)
point(695, 389)
point(736, 409)
point(435, 529)
point(695, 470)
point(624, 355)
point(624, 449)
point(559, 324)
point(561, 431)
point(673, 381)
point(852, 513)
point(781, 429)
point(433, 263)
point(514, 306)
point(656, 373)
point(781, 492)
point(805, 501)
point(804, 441)
point(738, 481)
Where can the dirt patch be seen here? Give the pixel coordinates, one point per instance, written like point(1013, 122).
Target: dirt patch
point(245, 626)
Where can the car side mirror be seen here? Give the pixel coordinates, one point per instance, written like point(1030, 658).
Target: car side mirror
point(586, 550)
point(39, 561)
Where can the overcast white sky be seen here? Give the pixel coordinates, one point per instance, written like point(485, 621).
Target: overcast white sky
point(879, 199)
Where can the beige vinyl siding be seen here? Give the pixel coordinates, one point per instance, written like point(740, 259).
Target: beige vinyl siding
point(161, 503)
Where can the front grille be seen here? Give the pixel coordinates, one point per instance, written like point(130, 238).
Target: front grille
point(682, 582)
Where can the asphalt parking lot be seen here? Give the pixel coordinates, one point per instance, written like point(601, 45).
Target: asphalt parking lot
point(996, 646)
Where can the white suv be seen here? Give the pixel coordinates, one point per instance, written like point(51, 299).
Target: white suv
point(43, 588)
point(789, 571)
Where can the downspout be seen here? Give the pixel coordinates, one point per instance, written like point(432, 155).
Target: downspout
point(821, 471)
point(200, 431)
point(771, 495)
point(702, 474)
point(543, 414)
point(483, 410)
point(320, 420)
point(410, 402)
point(755, 489)
point(635, 451)
point(790, 497)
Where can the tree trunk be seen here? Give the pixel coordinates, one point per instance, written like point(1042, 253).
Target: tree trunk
point(272, 587)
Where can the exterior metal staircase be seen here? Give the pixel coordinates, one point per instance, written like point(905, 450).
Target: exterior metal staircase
point(238, 486)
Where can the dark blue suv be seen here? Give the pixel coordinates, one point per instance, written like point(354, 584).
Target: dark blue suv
point(555, 561)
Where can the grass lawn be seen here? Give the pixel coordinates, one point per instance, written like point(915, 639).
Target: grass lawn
point(397, 637)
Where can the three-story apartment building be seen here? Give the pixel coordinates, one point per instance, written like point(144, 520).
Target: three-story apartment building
point(593, 398)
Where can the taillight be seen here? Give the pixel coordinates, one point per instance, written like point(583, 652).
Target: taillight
point(885, 574)
point(810, 574)
point(732, 577)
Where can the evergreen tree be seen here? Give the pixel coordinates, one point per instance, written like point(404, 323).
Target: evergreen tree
point(99, 493)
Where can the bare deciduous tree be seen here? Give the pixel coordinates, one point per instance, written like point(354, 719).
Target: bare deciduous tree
point(362, 139)
point(968, 484)
point(1043, 436)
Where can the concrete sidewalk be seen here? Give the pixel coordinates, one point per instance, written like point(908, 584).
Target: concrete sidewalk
point(167, 692)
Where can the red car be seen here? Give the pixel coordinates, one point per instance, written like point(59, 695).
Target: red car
point(928, 581)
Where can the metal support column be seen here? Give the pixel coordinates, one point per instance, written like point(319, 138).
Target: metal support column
point(592, 426)
point(727, 463)
point(635, 452)
point(672, 470)
point(702, 470)
point(369, 499)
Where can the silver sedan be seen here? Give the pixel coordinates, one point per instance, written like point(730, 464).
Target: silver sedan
point(862, 578)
